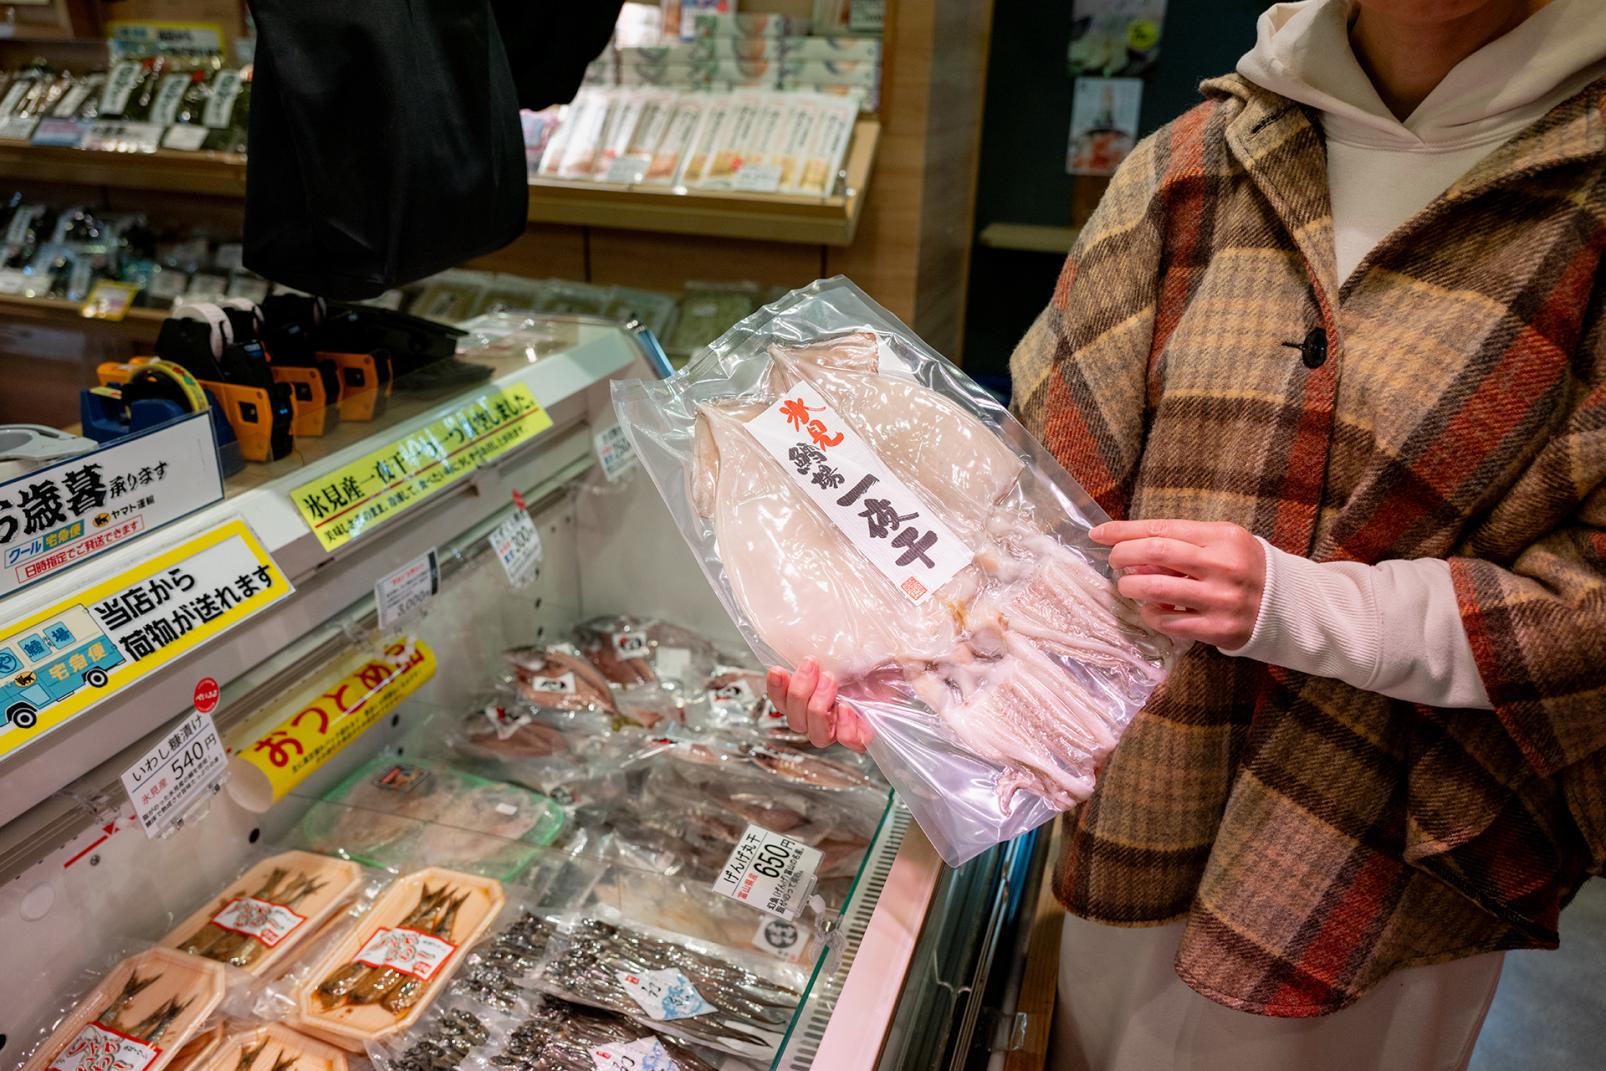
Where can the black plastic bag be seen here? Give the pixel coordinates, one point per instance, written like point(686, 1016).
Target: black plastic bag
point(384, 144)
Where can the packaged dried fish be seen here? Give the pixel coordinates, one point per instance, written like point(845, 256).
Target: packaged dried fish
point(138, 1016)
point(394, 813)
point(381, 975)
point(268, 911)
point(854, 497)
point(274, 1047)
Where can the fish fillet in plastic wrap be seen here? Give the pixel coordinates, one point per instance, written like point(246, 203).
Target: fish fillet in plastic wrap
point(994, 692)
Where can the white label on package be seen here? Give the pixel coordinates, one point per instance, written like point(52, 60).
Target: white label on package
point(56, 517)
point(14, 281)
point(562, 684)
point(18, 127)
point(780, 937)
point(737, 691)
point(266, 922)
point(119, 84)
point(664, 994)
point(614, 452)
point(758, 178)
point(169, 94)
point(877, 511)
point(629, 644)
point(409, 951)
point(628, 168)
point(647, 1054)
point(100, 1048)
point(505, 722)
point(176, 774)
point(220, 105)
point(770, 872)
point(518, 547)
point(187, 137)
point(408, 588)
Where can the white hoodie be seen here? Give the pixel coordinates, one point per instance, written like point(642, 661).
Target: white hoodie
point(1382, 171)
point(1395, 628)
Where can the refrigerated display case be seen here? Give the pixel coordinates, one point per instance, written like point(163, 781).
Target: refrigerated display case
point(903, 952)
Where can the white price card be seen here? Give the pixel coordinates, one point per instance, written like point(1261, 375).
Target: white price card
point(645, 1054)
point(188, 137)
point(14, 281)
point(614, 452)
point(758, 178)
point(518, 547)
point(664, 994)
point(408, 588)
point(184, 768)
point(771, 872)
point(629, 168)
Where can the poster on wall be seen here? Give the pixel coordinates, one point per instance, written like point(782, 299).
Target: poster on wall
point(1114, 37)
point(1104, 124)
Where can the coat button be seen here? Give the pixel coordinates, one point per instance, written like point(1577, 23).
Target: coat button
point(1312, 351)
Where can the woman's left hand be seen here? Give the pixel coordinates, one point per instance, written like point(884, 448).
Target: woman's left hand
point(1193, 580)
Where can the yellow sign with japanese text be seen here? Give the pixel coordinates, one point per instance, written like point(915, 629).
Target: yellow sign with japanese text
point(326, 719)
point(382, 484)
point(59, 662)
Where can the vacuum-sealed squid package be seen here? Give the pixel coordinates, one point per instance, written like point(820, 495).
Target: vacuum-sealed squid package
point(854, 497)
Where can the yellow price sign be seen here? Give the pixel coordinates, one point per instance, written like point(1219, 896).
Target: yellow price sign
point(326, 719)
point(384, 483)
point(109, 301)
point(59, 662)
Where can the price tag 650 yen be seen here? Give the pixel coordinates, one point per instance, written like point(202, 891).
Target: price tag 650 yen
point(518, 547)
point(183, 768)
point(770, 872)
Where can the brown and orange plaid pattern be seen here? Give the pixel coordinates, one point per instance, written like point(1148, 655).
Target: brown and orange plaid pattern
point(1316, 836)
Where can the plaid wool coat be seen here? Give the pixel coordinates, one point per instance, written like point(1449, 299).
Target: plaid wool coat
point(1314, 836)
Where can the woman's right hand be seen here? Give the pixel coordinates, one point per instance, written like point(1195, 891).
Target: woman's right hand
point(808, 699)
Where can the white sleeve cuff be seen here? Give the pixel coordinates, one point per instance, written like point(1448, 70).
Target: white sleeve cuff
point(1393, 628)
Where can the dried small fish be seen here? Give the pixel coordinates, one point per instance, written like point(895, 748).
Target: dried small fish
point(340, 984)
point(560, 1036)
point(249, 1054)
point(281, 1062)
point(443, 1043)
point(132, 987)
point(209, 935)
point(243, 949)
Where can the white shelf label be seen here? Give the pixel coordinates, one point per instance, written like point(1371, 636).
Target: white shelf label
point(771, 872)
point(407, 589)
point(188, 137)
point(614, 452)
point(758, 178)
point(628, 169)
point(179, 772)
point(518, 547)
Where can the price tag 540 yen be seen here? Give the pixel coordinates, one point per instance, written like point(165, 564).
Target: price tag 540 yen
point(771, 872)
point(518, 547)
point(181, 771)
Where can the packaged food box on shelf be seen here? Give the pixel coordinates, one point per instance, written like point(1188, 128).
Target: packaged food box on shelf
point(745, 25)
point(835, 72)
point(856, 49)
point(275, 1046)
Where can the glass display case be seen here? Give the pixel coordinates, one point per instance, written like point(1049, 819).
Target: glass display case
point(416, 699)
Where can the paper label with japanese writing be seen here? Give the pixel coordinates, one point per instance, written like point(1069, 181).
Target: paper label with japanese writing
point(179, 772)
point(262, 920)
point(322, 720)
point(769, 871)
point(664, 994)
point(62, 660)
point(562, 684)
point(57, 517)
point(408, 588)
point(220, 104)
point(629, 644)
point(614, 452)
point(645, 1054)
point(102, 1048)
point(504, 721)
point(518, 547)
point(881, 516)
point(185, 136)
point(382, 484)
point(413, 952)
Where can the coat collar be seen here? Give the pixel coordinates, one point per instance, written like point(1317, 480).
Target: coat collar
point(1280, 146)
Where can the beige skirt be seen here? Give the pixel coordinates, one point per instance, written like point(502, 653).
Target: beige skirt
point(1121, 1007)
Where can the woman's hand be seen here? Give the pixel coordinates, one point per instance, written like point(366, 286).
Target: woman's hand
point(808, 699)
point(1193, 580)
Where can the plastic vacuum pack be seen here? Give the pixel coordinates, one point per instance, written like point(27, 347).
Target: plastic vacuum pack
point(854, 497)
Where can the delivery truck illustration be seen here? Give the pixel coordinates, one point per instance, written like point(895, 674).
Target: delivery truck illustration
point(45, 663)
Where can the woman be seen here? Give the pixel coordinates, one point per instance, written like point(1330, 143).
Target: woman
point(1336, 338)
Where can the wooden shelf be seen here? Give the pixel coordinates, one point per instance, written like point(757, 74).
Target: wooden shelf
point(53, 312)
point(221, 174)
point(767, 217)
point(1028, 237)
